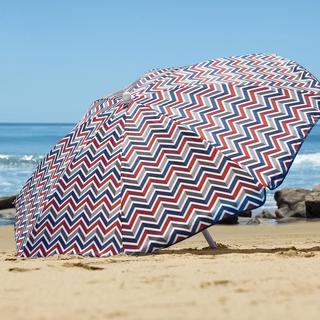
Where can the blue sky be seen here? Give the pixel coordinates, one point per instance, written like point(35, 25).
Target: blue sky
point(58, 56)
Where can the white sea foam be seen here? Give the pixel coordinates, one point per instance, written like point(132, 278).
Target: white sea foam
point(308, 159)
point(27, 157)
point(18, 163)
point(23, 158)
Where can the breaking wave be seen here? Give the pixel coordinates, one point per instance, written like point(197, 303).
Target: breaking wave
point(15, 170)
point(19, 161)
point(312, 159)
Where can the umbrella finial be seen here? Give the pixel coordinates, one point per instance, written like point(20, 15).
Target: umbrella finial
point(126, 97)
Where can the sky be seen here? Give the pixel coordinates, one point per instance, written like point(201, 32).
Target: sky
point(56, 57)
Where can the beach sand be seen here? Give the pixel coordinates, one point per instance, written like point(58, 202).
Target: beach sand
point(260, 272)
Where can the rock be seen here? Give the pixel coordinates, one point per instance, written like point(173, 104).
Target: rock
point(290, 196)
point(229, 219)
point(298, 210)
point(291, 202)
point(7, 202)
point(282, 212)
point(253, 221)
point(8, 213)
point(298, 203)
point(266, 214)
point(312, 205)
point(316, 188)
point(246, 214)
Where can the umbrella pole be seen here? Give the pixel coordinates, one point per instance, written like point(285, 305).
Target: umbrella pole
point(212, 244)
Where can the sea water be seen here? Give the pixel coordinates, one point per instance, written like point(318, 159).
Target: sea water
point(23, 145)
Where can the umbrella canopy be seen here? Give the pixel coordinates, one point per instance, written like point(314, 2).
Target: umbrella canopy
point(175, 152)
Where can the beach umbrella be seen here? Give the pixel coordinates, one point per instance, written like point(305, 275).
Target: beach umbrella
point(175, 152)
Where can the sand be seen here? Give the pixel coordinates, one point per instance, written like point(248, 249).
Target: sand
point(261, 272)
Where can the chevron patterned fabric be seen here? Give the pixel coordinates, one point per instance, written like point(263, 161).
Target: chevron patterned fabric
point(175, 152)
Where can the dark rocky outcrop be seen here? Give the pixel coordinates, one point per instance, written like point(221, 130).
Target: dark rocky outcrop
point(229, 219)
point(246, 214)
point(290, 202)
point(8, 213)
point(7, 210)
point(266, 214)
point(312, 205)
point(7, 202)
point(298, 203)
point(316, 188)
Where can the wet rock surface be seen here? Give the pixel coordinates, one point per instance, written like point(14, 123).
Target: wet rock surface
point(266, 214)
point(7, 213)
point(7, 210)
point(296, 203)
point(312, 205)
point(291, 202)
point(7, 202)
point(246, 214)
point(229, 219)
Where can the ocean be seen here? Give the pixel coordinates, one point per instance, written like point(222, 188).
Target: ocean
point(23, 145)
